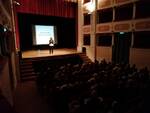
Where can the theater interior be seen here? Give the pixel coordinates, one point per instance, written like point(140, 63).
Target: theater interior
point(100, 61)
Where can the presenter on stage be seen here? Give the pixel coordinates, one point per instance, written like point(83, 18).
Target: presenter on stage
point(51, 45)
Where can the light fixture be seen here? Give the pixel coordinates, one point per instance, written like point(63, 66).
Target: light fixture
point(16, 3)
point(5, 29)
point(90, 6)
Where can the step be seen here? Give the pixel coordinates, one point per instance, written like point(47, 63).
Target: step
point(28, 74)
point(28, 78)
point(27, 70)
point(26, 60)
point(86, 58)
point(24, 63)
point(26, 67)
point(82, 55)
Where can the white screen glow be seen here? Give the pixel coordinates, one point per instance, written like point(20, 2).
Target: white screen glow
point(43, 34)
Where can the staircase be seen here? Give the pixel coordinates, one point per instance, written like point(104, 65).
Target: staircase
point(27, 70)
point(85, 58)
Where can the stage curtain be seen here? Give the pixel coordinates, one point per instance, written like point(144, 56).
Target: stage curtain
point(47, 7)
point(59, 8)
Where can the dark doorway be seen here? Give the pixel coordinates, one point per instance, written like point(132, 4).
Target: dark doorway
point(121, 47)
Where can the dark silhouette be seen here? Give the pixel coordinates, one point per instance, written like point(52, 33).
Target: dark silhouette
point(51, 45)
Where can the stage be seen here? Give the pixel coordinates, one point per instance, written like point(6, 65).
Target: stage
point(45, 53)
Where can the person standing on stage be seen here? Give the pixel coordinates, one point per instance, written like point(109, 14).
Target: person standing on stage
point(51, 45)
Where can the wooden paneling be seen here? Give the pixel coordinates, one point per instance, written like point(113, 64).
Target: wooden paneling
point(7, 5)
point(87, 29)
point(140, 57)
point(104, 28)
point(104, 53)
point(120, 2)
point(5, 16)
point(124, 26)
point(104, 3)
point(142, 25)
point(86, 1)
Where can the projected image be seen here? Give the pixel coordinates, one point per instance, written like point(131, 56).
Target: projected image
point(42, 34)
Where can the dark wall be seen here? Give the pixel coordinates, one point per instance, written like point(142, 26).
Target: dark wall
point(65, 30)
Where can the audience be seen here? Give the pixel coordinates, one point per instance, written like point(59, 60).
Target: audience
point(95, 87)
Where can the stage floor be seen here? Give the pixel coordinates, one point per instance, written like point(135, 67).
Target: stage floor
point(45, 53)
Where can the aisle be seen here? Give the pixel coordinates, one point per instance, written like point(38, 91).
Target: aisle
point(27, 99)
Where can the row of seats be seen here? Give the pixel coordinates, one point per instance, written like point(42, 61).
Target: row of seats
point(94, 87)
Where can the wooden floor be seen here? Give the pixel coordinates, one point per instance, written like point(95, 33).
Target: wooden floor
point(45, 53)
